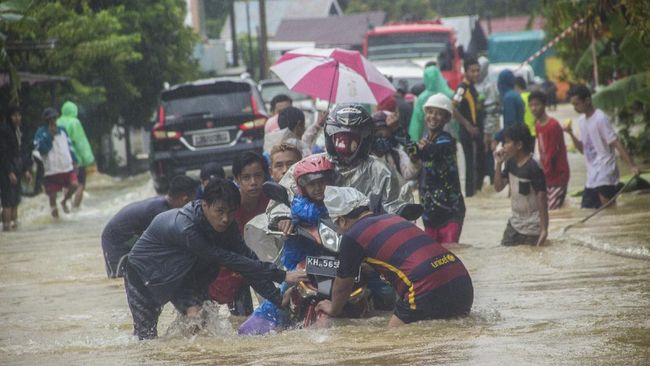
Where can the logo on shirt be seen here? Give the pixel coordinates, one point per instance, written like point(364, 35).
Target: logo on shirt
point(442, 260)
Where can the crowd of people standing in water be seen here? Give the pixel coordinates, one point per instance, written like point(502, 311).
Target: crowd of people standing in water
point(179, 247)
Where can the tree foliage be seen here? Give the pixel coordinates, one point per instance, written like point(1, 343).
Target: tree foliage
point(116, 54)
point(621, 35)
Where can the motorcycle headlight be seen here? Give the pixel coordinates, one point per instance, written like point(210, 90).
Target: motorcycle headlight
point(329, 237)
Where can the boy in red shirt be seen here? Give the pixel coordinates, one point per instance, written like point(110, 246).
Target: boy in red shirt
point(552, 150)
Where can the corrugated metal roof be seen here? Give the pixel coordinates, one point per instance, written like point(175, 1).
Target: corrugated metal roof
point(511, 24)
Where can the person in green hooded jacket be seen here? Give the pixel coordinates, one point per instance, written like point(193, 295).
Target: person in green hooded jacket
point(434, 83)
point(75, 130)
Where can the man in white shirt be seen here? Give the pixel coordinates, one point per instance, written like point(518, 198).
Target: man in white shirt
point(597, 142)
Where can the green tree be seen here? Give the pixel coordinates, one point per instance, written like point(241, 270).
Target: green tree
point(620, 34)
point(12, 17)
point(116, 54)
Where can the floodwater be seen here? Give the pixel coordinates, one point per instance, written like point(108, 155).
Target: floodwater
point(584, 299)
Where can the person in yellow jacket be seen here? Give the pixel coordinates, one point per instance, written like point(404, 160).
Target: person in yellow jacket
point(529, 119)
point(77, 135)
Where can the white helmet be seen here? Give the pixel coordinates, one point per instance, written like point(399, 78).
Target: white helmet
point(340, 201)
point(439, 101)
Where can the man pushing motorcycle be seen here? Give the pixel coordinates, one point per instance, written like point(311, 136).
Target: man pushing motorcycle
point(432, 282)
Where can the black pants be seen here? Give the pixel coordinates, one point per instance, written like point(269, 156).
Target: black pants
point(145, 310)
point(452, 300)
point(474, 161)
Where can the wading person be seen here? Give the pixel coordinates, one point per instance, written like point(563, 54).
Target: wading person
point(431, 282)
point(121, 232)
point(552, 151)
point(53, 144)
point(84, 153)
point(529, 221)
point(467, 102)
point(14, 165)
point(440, 194)
point(597, 142)
point(182, 251)
point(283, 156)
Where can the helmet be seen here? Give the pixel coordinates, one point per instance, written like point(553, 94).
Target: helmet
point(348, 133)
point(311, 168)
point(439, 101)
point(340, 201)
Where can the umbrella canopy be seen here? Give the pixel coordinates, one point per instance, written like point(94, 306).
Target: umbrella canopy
point(333, 74)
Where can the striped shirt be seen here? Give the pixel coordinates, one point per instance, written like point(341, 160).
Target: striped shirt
point(406, 256)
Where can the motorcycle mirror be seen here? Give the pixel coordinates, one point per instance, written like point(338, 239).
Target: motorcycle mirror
point(276, 192)
point(410, 211)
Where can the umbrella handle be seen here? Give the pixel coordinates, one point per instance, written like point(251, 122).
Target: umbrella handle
point(336, 71)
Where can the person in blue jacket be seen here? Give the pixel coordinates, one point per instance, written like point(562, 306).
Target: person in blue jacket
point(181, 253)
point(513, 105)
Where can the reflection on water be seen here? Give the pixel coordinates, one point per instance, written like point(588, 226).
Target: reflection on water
point(560, 304)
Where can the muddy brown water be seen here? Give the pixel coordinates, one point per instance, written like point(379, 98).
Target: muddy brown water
point(584, 299)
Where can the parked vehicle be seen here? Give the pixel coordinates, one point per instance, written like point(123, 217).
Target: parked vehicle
point(398, 49)
point(205, 120)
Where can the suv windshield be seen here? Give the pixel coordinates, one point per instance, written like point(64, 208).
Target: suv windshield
point(218, 100)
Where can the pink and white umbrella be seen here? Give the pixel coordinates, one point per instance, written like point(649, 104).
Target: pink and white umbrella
point(333, 74)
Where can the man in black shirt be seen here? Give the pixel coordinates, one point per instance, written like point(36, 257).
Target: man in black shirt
point(183, 250)
point(130, 222)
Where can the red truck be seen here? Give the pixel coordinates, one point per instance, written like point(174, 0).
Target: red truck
point(401, 50)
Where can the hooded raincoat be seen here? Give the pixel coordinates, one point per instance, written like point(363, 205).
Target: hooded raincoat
point(75, 130)
point(513, 105)
point(434, 83)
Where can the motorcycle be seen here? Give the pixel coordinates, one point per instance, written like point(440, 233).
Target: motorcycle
point(322, 268)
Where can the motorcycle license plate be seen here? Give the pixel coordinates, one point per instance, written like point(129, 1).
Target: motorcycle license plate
point(322, 266)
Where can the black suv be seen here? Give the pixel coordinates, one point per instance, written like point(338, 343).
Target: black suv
point(202, 121)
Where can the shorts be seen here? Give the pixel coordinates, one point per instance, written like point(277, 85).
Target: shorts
point(9, 193)
point(555, 196)
point(81, 175)
point(56, 182)
point(115, 255)
point(591, 196)
point(451, 300)
point(145, 310)
point(448, 233)
point(512, 237)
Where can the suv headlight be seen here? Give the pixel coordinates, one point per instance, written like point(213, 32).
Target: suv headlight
point(329, 237)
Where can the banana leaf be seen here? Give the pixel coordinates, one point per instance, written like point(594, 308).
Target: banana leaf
point(624, 92)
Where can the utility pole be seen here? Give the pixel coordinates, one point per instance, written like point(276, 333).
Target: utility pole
point(233, 35)
point(263, 39)
point(250, 41)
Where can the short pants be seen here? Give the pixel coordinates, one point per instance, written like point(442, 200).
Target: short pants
point(555, 196)
point(591, 199)
point(56, 182)
point(448, 233)
point(9, 193)
point(451, 300)
point(512, 237)
point(146, 310)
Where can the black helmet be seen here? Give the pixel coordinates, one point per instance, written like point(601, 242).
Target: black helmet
point(352, 126)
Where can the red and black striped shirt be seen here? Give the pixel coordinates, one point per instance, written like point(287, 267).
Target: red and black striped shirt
point(404, 254)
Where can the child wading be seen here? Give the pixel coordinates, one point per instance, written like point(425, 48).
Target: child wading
point(55, 147)
point(444, 207)
point(552, 151)
point(529, 221)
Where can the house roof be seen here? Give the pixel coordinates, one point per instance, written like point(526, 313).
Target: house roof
point(276, 11)
point(336, 31)
point(511, 24)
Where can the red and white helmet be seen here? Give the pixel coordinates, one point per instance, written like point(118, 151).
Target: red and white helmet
point(311, 168)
